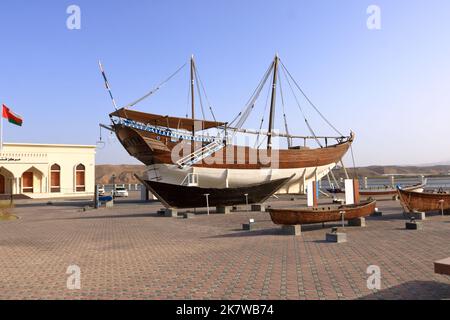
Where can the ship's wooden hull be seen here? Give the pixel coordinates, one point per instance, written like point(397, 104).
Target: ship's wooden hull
point(389, 191)
point(151, 149)
point(321, 214)
point(182, 197)
point(424, 202)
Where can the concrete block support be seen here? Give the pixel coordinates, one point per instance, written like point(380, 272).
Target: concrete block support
point(336, 237)
point(420, 216)
point(109, 204)
point(258, 208)
point(414, 226)
point(292, 230)
point(188, 215)
point(359, 222)
point(171, 213)
point(377, 213)
point(442, 267)
point(223, 210)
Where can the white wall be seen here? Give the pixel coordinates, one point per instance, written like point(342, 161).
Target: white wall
point(19, 158)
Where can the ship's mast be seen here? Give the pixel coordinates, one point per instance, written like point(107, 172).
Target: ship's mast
point(193, 92)
point(273, 102)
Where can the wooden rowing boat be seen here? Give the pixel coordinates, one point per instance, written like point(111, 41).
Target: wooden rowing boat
point(183, 197)
point(390, 191)
point(321, 214)
point(424, 201)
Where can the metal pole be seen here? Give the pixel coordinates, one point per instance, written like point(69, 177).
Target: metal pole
point(246, 200)
point(96, 198)
point(343, 218)
point(207, 202)
point(1, 131)
point(114, 185)
point(273, 102)
point(442, 206)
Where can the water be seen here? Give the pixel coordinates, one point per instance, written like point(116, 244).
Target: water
point(432, 182)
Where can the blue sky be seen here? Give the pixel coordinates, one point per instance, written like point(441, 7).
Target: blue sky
point(390, 86)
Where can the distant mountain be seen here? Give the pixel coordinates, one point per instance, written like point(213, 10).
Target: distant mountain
point(443, 163)
point(124, 173)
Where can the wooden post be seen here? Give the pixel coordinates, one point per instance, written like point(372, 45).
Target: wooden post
point(316, 194)
point(356, 195)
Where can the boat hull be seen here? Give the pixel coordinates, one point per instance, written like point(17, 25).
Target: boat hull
point(183, 197)
point(233, 178)
point(424, 202)
point(321, 214)
point(391, 192)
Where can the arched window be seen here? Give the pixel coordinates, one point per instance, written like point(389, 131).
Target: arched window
point(80, 178)
point(55, 178)
point(28, 182)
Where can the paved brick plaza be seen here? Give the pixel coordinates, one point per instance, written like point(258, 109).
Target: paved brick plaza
point(130, 253)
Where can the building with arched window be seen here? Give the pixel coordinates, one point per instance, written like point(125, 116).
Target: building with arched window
point(47, 170)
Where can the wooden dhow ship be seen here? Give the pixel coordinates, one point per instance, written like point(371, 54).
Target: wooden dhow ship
point(175, 149)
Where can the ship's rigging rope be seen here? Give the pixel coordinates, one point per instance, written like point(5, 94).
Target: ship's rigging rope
point(242, 117)
point(257, 144)
point(157, 88)
point(286, 126)
point(244, 114)
point(309, 100)
point(354, 163)
point(199, 81)
point(199, 94)
point(301, 109)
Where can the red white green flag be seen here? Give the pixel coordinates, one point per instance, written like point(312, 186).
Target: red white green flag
point(12, 117)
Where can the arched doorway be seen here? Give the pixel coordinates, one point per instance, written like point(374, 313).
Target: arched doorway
point(32, 181)
point(2, 184)
point(80, 175)
point(7, 182)
point(55, 178)
point(28, 182)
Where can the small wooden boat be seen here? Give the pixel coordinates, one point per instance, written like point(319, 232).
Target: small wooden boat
point(389, 191)
point(321, 214)
point(183, 197)
point(424, 201)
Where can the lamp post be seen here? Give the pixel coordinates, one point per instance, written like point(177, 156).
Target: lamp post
point(207, 202)
point(114, 185)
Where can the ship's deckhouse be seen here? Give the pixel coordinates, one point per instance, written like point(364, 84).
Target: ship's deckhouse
point(47, 170)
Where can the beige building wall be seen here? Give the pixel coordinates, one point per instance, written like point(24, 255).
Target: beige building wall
point(18, 159)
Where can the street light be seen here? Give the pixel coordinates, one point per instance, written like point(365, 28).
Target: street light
point(114, 185)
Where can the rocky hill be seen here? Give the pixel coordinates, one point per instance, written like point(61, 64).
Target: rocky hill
point(124, 173)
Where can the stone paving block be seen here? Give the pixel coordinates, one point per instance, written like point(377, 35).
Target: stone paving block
point(129, 253)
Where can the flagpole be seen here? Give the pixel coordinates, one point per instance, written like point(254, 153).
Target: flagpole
point(1, 131)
